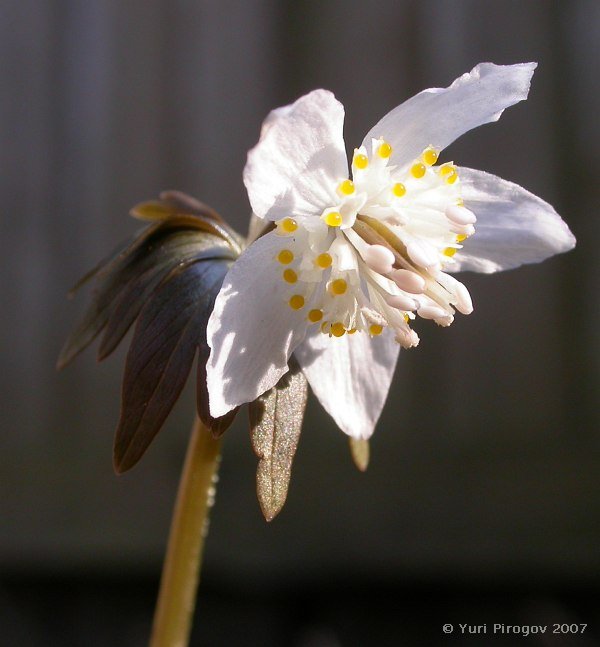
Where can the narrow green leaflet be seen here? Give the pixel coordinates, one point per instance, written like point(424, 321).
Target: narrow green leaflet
point(275, 425)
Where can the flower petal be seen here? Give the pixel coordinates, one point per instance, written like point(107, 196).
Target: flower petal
point(252, 331)
point(513, 226)
point(351, 376)
point(300, 157)
point(438, 116)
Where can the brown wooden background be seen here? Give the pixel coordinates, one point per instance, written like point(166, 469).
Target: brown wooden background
point(485, 463)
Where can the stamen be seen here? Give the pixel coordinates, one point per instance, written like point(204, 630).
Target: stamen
point(384, 150)
point(401, 302)
point(399, 189)
point(351, 331)
point(339, 286)
point(289, 276)
point(285, 257)
point(379, 258)
point(464, 304)
point(337, 329)
point(288, 225)
point(333, 219)
point(422, 253)
point(460, 215)
point(461, 237)
point(323, 261)
point(375, 329)
point(296, 302)
point(315, 315)
point(417, 170)
point(446, 169)
point(431, 312)
point(450, 251)
point(430, 156)
point(325, 327)
point(409, 281)
point(360, 161)
point(346, 187)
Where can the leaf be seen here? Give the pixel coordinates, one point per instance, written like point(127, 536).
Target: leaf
point(177, 249)
point(275, 425)
point(175, 207)
point(161, 354)
point(359, 448)
point(154, 248)
point(184, 203)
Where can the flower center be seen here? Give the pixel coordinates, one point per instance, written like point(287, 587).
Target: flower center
point(376, 259)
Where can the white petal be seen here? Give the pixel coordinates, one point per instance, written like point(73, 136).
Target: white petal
point(513, 226)
point(299, 160)
point(438, 116)
point(351, 376)
point(252, 330)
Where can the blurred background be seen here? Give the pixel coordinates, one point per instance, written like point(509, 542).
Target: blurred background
point(482, 500)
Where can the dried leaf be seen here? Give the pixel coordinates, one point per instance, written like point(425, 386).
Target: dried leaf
point(359, 448)
point(161, 354)
point(275, 425)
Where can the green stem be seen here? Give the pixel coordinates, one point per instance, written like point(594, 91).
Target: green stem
point(189, 527)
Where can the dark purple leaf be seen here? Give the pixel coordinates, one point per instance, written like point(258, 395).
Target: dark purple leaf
point(179, 248)
point(167, 334)
point(156, 248)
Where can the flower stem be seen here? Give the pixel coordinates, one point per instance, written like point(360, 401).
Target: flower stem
point(189, 526)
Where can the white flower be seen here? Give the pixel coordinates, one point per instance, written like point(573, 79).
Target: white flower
point(355, 258)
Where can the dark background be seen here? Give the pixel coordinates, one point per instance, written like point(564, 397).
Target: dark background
point(481, 503)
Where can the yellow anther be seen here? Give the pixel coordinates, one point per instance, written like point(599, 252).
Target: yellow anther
point(430, 156)
point(452, 177)
point(296, 302)
point(337, 329)
point(450, 251)
point(461, 237)
point(446, 170)
point(351, 331)
point(333, 219)
point(339, 286)
point(460, 202)
point(289, 225)
point(398, 189)
point(289, 276)
point(315, 315)
point(323, 260)
point(285, 257)
point(375, 329)
point(406, 317)
point(346, 187)
point(417, 170)
point(360, 161)
point(384, 150)
point(325, 327)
